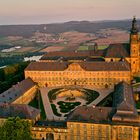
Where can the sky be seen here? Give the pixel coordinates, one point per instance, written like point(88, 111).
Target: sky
point(53, 11)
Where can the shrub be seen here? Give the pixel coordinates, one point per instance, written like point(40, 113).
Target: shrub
point(55, 110)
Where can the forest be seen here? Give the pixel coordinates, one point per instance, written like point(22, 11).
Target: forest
point(11, 74)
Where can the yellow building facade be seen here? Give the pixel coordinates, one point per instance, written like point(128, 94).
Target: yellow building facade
point(75, 74)
point(87, 131)
point(27, 97)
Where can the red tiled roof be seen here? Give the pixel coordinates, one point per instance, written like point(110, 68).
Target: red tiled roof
point(16, 91)
point(21, 110)
point(88, 66)
point(123, 101)
point(71, 54)
point(86, 113)
point(117, 51)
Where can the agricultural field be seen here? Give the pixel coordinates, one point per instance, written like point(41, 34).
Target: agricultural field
point(83, 48)
point(52, 48)
point(25, 49)
point(5, 40)
point(17, 46)
point(14, 41)
point(110, 36)
point(66, 41)
point(74, 39)
point(102, 47)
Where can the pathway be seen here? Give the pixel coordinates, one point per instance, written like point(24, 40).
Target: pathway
point(47, 106)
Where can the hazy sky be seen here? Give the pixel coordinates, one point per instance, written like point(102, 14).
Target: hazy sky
point(48, 11)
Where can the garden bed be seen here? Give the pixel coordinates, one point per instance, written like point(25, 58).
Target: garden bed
point(55, 110)
point(66, 107)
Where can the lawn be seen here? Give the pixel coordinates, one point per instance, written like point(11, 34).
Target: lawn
point(102, 47)
point(107, 102)
point(137, 79)
point(91, 95)
point(52, 93)
point(35, 103)
point(138, 104)
point(83, 48)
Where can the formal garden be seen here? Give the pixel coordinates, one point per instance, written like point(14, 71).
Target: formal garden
point(65, 100)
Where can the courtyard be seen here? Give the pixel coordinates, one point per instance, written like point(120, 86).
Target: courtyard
point(60, 101)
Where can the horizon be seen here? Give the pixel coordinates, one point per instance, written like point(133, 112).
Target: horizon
point(15, 12)
point(61, 22)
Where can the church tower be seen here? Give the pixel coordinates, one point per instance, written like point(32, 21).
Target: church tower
point(134, 47)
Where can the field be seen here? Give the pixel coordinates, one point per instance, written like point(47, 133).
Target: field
point(25, 49)
point(102, 47)
point(4, 40)
point(52, 48)
point(74, 39)
point(110, 36)
point(18, 46)
point(83, 48)
point(70, 41)
point(18, 41)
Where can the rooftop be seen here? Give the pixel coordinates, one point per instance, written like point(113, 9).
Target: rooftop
point(123, 101)
point(88, 66)
point(71, 55)
point(123, 110)
point(21, 110)
point(118, 51)
point(16, 91)
point(123, 93)
point(90, 114)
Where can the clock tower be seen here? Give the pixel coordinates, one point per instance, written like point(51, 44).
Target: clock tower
point(134, 48)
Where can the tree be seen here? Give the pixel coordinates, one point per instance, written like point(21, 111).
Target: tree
point(15, 129)
point(2, 75)
point(11, 75)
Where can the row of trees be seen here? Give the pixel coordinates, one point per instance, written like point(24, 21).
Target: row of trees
point(10, 58)
point(15, 129)
point(11, 75)
point(5, 46)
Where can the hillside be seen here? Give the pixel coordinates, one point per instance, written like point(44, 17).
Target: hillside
point(80, 26)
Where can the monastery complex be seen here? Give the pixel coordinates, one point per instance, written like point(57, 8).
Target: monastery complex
point(110, 69)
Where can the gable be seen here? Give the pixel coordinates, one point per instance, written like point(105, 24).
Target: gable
point(74, 67)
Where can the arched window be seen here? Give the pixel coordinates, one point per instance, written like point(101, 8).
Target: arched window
point(49, 136)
